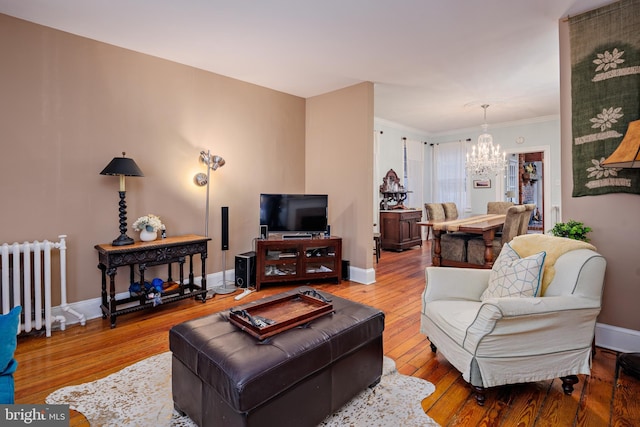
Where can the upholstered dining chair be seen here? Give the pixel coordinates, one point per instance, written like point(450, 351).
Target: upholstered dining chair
point(450, 211)
point(531, 318)
point(499, 208)
point(453, 245)
point(510, 229)
point(526, 217)
point(435, 212)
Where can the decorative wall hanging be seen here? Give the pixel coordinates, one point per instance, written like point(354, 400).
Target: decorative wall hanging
point(605, 90)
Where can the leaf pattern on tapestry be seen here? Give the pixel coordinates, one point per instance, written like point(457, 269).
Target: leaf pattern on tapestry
point(605, 119)
point(598, 171)
point(608, 60)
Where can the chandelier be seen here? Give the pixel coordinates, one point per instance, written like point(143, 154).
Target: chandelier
point(485, 159)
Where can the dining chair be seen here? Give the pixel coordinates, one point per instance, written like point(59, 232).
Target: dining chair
point(499, 208)
point(510, 229)
point(450, 211)
point(526, 218)
point(453, 245)
point(435, 212)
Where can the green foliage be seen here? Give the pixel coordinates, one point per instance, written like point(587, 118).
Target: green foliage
point(571, 229)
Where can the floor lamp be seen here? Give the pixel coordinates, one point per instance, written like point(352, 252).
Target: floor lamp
point(213, 162)
point(627, 156)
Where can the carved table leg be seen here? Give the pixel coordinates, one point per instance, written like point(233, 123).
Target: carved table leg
point(105, 301)
point(203, 283)
point(437, 249)
point(568, 382)
point(111, 272)
point(488, 237)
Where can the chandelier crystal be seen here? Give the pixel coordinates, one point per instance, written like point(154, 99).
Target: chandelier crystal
point(485, 159)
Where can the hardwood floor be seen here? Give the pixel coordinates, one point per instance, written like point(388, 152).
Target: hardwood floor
point(82, 354)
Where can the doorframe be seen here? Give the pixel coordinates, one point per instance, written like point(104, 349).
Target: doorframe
point(546, 178)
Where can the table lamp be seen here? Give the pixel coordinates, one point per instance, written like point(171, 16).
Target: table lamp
point(122, 166)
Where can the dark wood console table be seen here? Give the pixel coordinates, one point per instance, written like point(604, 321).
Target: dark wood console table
point(146, 254)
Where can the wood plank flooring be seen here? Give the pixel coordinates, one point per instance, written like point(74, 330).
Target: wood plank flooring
point(82, 354)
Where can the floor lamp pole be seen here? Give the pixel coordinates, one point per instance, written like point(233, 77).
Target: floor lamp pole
point(206, 215)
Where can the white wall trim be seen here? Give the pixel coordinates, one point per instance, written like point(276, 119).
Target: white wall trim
point(91, 307)
point(360, 275)
point(607, 336)
point(523, 122)
point(618, 339)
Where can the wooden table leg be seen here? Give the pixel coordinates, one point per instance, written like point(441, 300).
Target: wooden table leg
point(437, 249)
point(488, 237)
point(111, 272)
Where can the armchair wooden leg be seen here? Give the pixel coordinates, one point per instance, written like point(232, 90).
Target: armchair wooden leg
point(433, 347)
point(480, 395)
point(568, 382)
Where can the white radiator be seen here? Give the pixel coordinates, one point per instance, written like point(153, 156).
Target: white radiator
point(26, 281)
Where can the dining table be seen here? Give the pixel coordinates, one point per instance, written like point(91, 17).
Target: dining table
point(486, 225)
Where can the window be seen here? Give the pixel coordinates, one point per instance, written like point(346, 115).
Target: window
point(448, 174)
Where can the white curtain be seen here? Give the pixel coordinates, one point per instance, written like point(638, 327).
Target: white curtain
point(448, 174)
point(414, 173)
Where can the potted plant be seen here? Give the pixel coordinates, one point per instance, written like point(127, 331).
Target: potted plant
point(571, 229)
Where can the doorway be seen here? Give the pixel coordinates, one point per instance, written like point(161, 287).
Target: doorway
point(527, 181)
point(531, 186)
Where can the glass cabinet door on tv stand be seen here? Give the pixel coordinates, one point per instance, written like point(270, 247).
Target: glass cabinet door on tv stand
point(281, 260)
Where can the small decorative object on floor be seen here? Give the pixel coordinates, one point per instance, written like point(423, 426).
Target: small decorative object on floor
point(148, 227)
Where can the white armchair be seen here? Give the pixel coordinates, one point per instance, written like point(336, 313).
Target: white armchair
point(510, 340)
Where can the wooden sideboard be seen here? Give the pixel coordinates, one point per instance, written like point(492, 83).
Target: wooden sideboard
point(399, 229)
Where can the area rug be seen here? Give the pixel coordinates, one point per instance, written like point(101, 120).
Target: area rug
point(140, 395)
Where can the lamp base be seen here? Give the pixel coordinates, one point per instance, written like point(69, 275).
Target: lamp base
point(123, 240)
point(630, 364)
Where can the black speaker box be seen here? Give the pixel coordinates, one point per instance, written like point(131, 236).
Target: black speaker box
point(345, 269)
point(224, 235)
point(246, 270)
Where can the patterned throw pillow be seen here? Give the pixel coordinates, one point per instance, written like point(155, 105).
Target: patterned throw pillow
point(512, 276)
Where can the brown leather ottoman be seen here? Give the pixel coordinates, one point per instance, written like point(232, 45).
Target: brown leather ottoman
point(223, 376)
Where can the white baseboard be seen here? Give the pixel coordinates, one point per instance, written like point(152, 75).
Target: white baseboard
point(91, 308)
point(607, 336)
point(618, 339)
point(360, 275)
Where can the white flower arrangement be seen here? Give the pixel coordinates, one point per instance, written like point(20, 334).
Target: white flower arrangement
point(149, 222)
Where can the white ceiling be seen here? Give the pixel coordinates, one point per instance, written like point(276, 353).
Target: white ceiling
point(433, 62)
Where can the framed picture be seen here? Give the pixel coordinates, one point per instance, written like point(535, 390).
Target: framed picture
point(481, 183)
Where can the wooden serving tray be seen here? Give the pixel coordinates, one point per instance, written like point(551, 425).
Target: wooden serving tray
point(266, 319)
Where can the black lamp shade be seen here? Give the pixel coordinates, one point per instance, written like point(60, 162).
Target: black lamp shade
point(122, 166)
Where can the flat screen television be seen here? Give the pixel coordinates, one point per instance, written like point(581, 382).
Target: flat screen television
point(294, 213)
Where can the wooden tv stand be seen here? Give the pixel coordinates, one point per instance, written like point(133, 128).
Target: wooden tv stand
point(281, 260)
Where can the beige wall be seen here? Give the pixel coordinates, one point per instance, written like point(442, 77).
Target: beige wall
point(70, 104)
point(613, 217)
point(339, 162)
